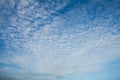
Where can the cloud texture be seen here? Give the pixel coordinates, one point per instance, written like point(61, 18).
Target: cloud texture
point(58, 37)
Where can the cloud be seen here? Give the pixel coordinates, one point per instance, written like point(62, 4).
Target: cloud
point(41, 40)
point(5, 77)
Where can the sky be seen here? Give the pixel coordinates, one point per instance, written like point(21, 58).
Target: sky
point(59, 39)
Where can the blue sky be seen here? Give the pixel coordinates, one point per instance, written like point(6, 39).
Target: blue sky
point(59, 40)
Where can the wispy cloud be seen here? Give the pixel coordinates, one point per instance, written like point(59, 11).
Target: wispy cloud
point(40, 40)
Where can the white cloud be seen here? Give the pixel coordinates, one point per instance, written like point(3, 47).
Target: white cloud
point(52, 54)
point(58, 46)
